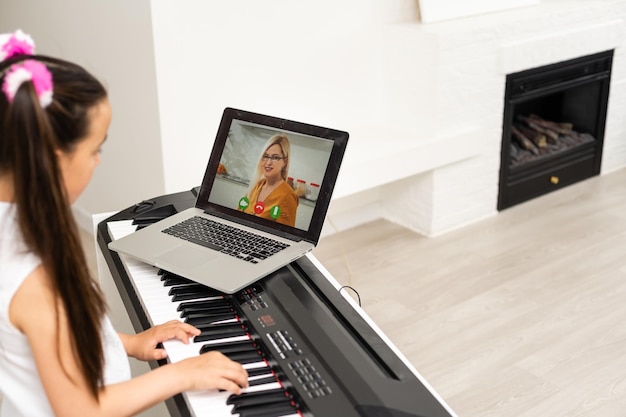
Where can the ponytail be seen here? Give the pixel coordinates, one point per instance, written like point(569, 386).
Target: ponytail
point(30, 136)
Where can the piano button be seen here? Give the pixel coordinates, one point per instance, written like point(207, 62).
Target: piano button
point(311, 386)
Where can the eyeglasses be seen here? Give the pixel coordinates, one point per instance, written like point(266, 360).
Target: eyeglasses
point(273, 158)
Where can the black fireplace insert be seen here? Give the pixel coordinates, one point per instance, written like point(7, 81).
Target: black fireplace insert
point(553, 128)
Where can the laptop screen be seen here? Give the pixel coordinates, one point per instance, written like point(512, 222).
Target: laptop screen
point(272, 172)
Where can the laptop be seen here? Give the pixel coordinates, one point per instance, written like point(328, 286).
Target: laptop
point(268, 184)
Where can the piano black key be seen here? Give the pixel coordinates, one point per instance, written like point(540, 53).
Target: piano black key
point(187, 307)
point(171, 280)
point(246, 395)
point(224, 329)
point(259, 371)
point(167, 274)
point(266, 398)
point(268, 410)
point(247, 346)
point(193, 287)
point(208, 337)
point(207, 312)
point(190, 292)
point(246, 357)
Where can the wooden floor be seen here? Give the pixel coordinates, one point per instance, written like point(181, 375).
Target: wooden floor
point(520, 315)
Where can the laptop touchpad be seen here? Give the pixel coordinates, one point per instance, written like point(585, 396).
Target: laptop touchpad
point(188, 256)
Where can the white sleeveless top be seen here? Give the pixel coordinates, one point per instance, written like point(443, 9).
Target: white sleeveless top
point(23, 392)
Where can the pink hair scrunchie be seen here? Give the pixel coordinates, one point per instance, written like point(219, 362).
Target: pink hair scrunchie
point(17, 43)
point(33, 71)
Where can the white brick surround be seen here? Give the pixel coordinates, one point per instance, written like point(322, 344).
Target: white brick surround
point(455, 96)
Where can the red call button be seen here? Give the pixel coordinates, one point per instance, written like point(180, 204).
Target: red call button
point(259, 207)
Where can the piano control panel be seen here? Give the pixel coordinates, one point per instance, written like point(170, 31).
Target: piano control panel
point(284, 344)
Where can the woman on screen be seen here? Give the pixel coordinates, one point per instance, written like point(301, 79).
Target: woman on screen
point(270, 196)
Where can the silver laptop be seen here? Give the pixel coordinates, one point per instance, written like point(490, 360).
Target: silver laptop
point(261, 204)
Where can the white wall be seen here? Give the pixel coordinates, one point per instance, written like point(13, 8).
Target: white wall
point(320, 63)
point(113, 40)
point(330, 63)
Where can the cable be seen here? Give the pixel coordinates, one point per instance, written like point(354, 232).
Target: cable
point(355, 291)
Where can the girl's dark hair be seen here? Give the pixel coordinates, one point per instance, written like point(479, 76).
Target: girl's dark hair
point(29, 137)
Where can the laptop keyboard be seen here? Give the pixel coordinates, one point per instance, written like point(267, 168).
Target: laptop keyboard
point(226, 239)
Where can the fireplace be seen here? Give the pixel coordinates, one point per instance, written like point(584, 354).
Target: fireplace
point(553, 127)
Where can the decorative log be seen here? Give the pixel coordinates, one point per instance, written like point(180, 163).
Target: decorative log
point(524, 141)
point(539, 139)
point(551, 135)
point(562, 128)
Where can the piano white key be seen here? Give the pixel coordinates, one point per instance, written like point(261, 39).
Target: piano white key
point(263, 387)
point(254, 365)
point(212, 403)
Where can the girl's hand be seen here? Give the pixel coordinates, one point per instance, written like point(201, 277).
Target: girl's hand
point(212, 370)
point(143, 346)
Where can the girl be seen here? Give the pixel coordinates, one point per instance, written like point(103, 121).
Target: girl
point(59, 355)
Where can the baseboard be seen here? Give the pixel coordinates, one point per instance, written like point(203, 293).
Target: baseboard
point(353, 210)
point(348, 219)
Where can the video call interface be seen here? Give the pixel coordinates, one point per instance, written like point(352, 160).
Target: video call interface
point(254, 162)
